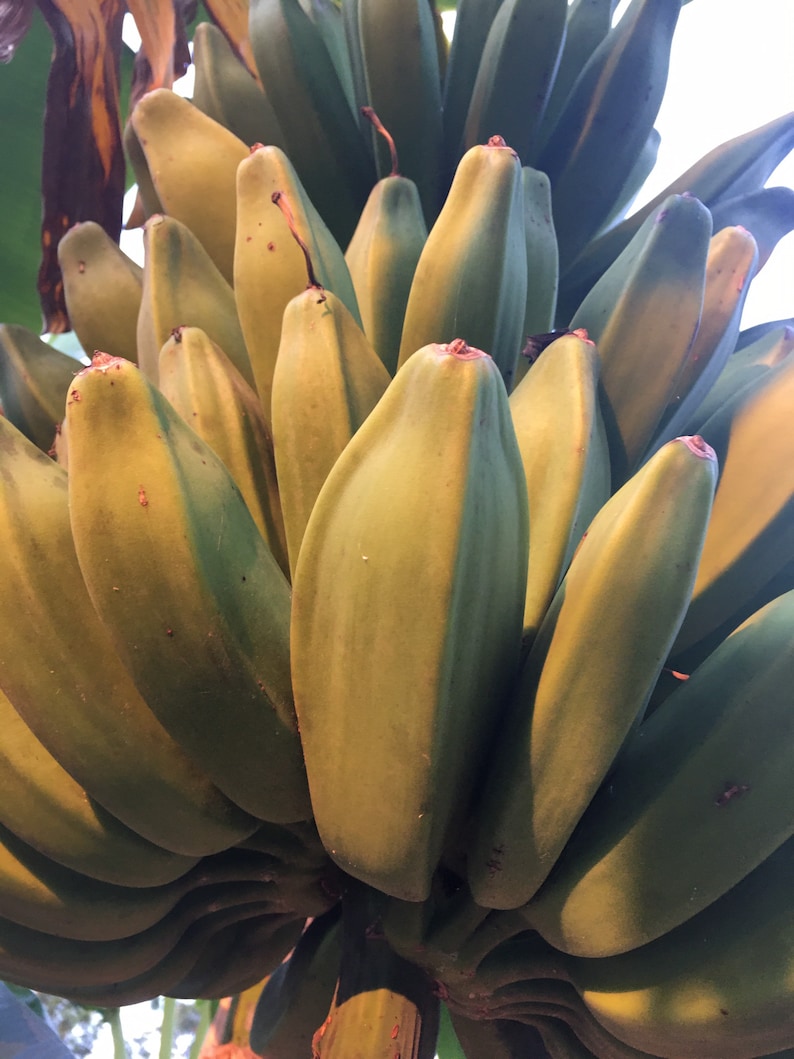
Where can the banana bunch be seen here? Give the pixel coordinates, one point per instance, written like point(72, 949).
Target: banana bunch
point(342, 587)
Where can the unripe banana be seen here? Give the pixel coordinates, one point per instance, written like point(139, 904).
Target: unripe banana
point(191, 595)
point(472, 274)
point(590, 673)
point(700, 797)
point(192, 160)
point(34, 380)
point(182, 287)
point(103, 288)
point(211, 395)
point(392, 567)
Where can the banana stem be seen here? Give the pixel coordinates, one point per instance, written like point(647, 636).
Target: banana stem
point(167, 1028)
point(113, 1018)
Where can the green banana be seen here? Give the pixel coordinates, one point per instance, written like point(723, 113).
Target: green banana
point(298, 994)
point(57, 661)
point(194, 602)
point(515, 74)
point(182, 287)
point(606, 121)
point(329, 21)
point(322, 135)
point(471, 278)
point(566, 463)
point(752, 334)
point(227, 92)
point(269, 268)
point(717, 987)
point(490, 1039)
point(192, 160)
point(587, 23)
point(382, 258)
point(34, 379)
point(147, 202)
point(392, 566)
point(749, 536)
point(643, 315)
point(211, 395)
point(699, 798)
point(103, 288)
point(589, 674)
point(328, 378)
point(731, 265)
point(768, 214)
point(403, 84)
point(472, 24)
point(635, 180)
point(736, 167)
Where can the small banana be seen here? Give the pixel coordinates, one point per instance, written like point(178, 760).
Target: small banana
point(103, 288)
point(192, 160)
point(589, 674)
point(34, 380)
point(471, 278)
point(194, 601)
point(392, 567)
point(700, 797)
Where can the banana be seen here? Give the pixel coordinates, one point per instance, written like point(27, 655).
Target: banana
point(589, 675)
point(329, 21)
point(403, 81)
point(365, 580)
point(147, 202)
point(323, 138)
point(328, 378)
point(700, 797)
point(736, 167)
point(182, 286)
point(471, 278)
point(472, 22)
point(749, 537)
point(566, 463)
point(228, 93)
point(192, 160)
point(745, 367)
point(57, 661)
point(767, 213)
point(34, 379)
point(587, 23)
point(542, 260)
point(717, 987)
point(606, 121)
point(211, 395)
point(515, 74)
point(488, 1038)
point(298, 994)
point(643, 315)
point(269, 267)
point(194, 601)
point(731, 264)
point(752, 334)
point(635, 180)
point(103, 288)
point(382, 258)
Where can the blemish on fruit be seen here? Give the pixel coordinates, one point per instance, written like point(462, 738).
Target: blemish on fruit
point(732, 790)
point(143, 500)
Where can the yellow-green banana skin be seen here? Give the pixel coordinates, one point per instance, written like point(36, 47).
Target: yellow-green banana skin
point(193, 599)
point(591, 670)
point(700, 797)
point(721, 986)
point(406, 628)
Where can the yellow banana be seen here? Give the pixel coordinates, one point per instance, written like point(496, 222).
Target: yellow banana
point(211, 395)
point(392, 567)
point(589, 675)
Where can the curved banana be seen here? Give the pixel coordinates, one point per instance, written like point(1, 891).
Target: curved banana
point(103, 289)
point(227, 92)
point(194, 602)
point(515, 74)
point(269, 267)
point(57, 661)
point(472, 273)
point(700, 797)
point(566, 463)
point(392, 567)
point(211, 395)
point(588, 676)
point(34, 381)
point(643, 315)
point(768, 213)
point(192, 160)
point(182, 286)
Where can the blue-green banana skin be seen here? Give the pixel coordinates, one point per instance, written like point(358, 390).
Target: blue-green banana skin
point(406, 630)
